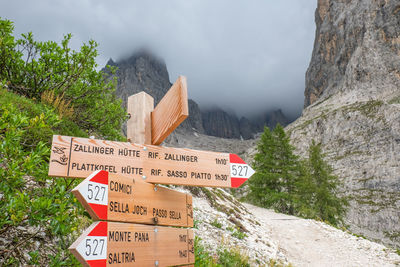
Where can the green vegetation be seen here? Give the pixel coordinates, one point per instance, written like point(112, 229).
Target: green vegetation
point(46, 88)
point(223, 257)
point(216, 224)
point(29, 198)
point(64, 78)
point(293, 186)
point(395, 100)
point(238, 233)
point(277, 169)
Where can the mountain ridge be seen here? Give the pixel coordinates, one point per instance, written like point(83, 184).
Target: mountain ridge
point(143, 71)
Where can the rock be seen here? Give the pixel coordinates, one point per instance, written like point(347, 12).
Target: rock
point(145, 72)
point(142, 72)
point(217, 122)
point(194, 120)
point(275, 117)
point(352, 101)
point(247, 129)
point(355, 41)
point(270, 119)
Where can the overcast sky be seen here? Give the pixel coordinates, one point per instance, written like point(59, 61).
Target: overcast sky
point(246, 56)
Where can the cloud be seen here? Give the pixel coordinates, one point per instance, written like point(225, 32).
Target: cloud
point(246, 56)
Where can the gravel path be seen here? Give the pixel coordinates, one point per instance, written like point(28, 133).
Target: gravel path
point(311, 243)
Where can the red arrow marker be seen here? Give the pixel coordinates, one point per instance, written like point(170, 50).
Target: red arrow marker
point(91, 247)
point(94, 191)
point(240, 170)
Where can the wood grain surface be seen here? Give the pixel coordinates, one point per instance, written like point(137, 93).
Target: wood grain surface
point(138, 126)
point(170, 112)
point(126, 244)
point(79, 157)
point(116, 198)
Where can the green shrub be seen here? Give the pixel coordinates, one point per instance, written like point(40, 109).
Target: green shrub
point(223, 257)
point(232, 258)
point(33, 207)
point(39, 70)
point(45, 89)
point(216, 224)
point(238, 234)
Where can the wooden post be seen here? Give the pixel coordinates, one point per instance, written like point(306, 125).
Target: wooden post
point(140, 107)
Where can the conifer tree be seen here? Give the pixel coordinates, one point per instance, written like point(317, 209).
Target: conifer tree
point(326, 203)
point(277, 170)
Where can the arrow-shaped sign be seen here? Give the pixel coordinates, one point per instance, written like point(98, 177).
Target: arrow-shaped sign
point(117, 198)
point(79, 157)
point(126, 244)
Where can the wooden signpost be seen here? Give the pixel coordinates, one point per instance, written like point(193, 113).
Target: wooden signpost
point(119, 186)
point(127, 244)
point(116, 198)
point(79, 157)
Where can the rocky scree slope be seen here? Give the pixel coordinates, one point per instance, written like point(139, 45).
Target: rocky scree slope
point(352, 101)
point(267, 238)
point(263, 236)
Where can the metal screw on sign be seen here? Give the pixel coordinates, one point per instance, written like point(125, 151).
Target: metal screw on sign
point(144, 176)
point(155, 188)
point(155, 230)
point(156, 263)
point(144, 148)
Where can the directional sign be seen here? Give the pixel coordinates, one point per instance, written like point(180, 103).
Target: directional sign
point(117, 198)
point(126, 244)
point(79, 157)
point(172, 110)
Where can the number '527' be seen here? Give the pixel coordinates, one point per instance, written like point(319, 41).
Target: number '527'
point(238, 170)
point(94, 192)
point(92, 247)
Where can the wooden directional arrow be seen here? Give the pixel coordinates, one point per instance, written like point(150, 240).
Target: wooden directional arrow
point(117, 198)
point(126, 244)
point(79, 157)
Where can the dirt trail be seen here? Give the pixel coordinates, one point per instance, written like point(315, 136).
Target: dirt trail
point(311, 243)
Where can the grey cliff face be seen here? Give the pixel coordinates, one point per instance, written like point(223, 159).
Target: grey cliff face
point(142, 72)
point(219, 123)
point(145, 72)
point(352, 100)
point(194, 120)
point(270, 119)
point(275, 117)
point(354, 41)
point(247, 129)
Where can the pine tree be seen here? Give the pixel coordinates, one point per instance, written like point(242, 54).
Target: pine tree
point(325, 202)
point(277, 170)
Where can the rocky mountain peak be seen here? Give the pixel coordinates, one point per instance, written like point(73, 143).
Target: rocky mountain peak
point(356, 42)
point(143, 71)
point(352, 100)
point(110, 62)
